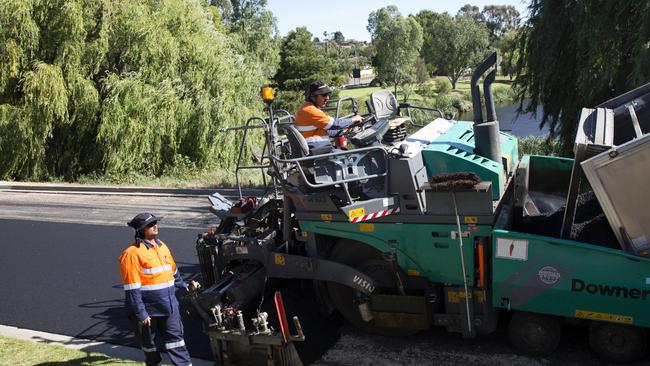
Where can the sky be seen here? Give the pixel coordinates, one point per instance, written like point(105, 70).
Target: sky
point(351, 16)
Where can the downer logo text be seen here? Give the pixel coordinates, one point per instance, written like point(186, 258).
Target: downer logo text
point(578, 285)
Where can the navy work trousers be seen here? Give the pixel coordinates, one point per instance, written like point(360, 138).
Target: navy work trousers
point(170, 329)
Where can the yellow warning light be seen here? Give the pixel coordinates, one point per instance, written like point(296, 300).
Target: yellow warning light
point(268, 94)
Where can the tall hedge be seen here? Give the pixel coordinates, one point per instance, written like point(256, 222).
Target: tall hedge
point(118, 86)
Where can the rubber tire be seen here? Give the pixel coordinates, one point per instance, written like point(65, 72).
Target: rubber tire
point(617, 342)
point(359, 256)
point(534, 334)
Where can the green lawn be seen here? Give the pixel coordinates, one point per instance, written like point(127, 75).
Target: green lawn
point(14, 352)
point(359, 93)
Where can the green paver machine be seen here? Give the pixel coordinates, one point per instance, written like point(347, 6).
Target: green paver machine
point(447, 226)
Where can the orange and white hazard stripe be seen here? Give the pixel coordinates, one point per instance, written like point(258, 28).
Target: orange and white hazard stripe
point(375, 215)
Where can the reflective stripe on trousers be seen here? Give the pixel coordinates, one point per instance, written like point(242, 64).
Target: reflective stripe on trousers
point(171, 330)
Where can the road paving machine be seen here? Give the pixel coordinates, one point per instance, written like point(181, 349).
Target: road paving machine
point(438, 224)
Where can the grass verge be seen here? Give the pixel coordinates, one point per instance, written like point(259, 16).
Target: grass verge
point(14, 352)
point(205, 179)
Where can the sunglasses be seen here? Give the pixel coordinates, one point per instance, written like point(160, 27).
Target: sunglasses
point(151, 225)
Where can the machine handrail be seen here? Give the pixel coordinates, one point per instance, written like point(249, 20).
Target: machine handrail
point(245, 128)
point(281, 120)
point(337, 108)
point(297, 162)
point(408, 111)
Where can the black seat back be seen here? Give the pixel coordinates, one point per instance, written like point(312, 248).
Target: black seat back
point(297, 142)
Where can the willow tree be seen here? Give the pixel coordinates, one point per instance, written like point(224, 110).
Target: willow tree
point(254, 28)
point(576, 54)
point(101, 86)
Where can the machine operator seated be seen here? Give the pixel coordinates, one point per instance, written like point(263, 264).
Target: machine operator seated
point(314, 124)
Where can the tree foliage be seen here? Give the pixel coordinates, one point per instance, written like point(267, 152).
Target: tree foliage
point(500, 19)
point(255, 30)
point(430, 21)
point(471, 11)
point(338, 37)
point(301, 61)
point(116, 86)
point(452, 45)
point(397, 41)
point(509, 52)
point(578, 54)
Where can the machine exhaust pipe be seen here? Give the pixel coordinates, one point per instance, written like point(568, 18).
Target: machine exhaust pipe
point(486, 133)
point(490, 111)
point(476, 91)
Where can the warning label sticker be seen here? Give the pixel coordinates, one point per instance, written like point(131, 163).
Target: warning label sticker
point(512, 249)
point(357, 212)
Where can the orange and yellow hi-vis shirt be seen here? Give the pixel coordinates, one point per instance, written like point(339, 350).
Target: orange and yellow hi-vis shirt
point(313, 123)
point(149, 276)
point(316, 126)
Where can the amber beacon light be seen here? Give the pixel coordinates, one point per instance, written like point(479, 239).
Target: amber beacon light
point(268, 94)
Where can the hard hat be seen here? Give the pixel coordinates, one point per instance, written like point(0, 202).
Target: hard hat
point(142, 220)
point(318, 88)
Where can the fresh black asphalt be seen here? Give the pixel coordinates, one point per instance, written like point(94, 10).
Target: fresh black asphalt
point(64, 279)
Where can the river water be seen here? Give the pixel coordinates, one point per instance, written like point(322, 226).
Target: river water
point(522, 125)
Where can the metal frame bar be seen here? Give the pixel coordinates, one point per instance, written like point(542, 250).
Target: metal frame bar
point(245, 128)
point(281, 265)
point(337, 108)
point(272, 143)
point(297, 162)
point(408, 112)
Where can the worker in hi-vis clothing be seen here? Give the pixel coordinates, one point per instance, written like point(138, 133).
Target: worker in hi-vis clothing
point(150, 276)
point(314, 124)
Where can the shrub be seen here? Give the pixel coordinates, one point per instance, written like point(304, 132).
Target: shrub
point(427, 90)
point(442, 86)
point(452, 103)
point(535, 145)
point(502, 94)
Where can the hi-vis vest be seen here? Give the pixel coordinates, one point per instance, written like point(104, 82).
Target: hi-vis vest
point(149, 274)
point(147, 269)
point(312, 123)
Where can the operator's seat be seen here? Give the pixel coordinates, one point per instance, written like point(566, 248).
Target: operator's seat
point(383, 104)
point(298, 144)
point(335, 168)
